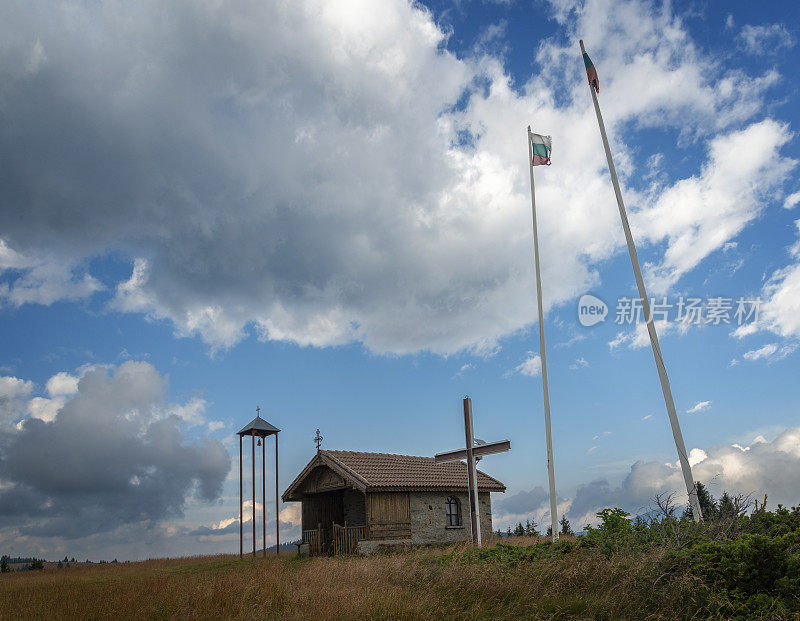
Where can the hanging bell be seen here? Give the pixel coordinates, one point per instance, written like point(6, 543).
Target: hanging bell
point(259, 442)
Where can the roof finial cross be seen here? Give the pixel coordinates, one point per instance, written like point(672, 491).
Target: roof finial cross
point(258, 410)
point(318, 439)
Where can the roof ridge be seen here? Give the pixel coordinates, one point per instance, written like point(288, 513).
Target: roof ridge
point(376, 453)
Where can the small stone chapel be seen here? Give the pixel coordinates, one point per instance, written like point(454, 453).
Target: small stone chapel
point(359, 502)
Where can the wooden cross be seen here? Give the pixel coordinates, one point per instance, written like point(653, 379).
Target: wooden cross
point(472, 454)
point(318, 439)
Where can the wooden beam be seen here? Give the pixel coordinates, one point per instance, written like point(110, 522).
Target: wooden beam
point(471, 474)
point(241, 501)
point(277, 506)
point(264, 496)
point(490, 448)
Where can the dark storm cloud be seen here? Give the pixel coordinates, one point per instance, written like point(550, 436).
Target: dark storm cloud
point(524, 502)
point(113, 455)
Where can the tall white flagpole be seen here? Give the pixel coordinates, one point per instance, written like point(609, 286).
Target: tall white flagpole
point(651, 328)
point(545, 391)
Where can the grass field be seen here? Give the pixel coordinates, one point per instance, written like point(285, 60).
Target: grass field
point(730, 565)
point(420, 584)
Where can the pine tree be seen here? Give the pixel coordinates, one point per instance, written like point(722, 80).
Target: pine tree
point(707, 504)
point(726, 509)
point(519, 531)
point(533, 529)
point(566, 527)
point(4, 565)
point(549, 532)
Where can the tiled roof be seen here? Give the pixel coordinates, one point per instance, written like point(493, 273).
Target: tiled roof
point(386, 471)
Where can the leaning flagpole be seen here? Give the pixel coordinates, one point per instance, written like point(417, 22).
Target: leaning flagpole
point(651, 328)
point(545, 391)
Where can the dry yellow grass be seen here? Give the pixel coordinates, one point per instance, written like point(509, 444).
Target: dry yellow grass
point(419, 584)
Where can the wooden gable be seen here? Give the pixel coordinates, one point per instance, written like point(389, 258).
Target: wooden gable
point(322, 479)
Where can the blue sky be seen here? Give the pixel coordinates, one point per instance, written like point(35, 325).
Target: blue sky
point(325, 212)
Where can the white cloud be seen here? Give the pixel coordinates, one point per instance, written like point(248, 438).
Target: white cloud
point(763, 467)
point(699, 215)
point(531, 366)
point(780, 311)
point(700, 406)
point(647, 417)
point(763, 352)
point(44, 409)
point(766, 39)
point(468, 366)
point(770, 351)
point(236, 157)
point(62, 385)
point(640, 337)
point(60, 388)
point(13, 393)
point(190, 412)
point(580, 363)
point(791, 200)
point(44, 281)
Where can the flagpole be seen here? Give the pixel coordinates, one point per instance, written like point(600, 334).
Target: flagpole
point(545, 391)
point(651, 328)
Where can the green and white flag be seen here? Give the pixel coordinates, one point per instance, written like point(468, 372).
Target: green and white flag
point(541, 147)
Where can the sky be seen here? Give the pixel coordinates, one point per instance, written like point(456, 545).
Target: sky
point(323, 209)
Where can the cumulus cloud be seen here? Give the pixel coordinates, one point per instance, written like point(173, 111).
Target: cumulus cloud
point(113, 453)
point(324, 173)
point(763, 467)
point(13, 393)
point(59, 388)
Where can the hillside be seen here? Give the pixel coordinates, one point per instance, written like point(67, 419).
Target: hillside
point(670, 568)
point(419, 584)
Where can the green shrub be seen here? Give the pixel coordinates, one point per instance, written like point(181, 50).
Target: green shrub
point(614, 532)
point(510, 554)
point(757, 574)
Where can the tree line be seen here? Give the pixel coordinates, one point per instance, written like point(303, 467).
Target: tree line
point(531, 529)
